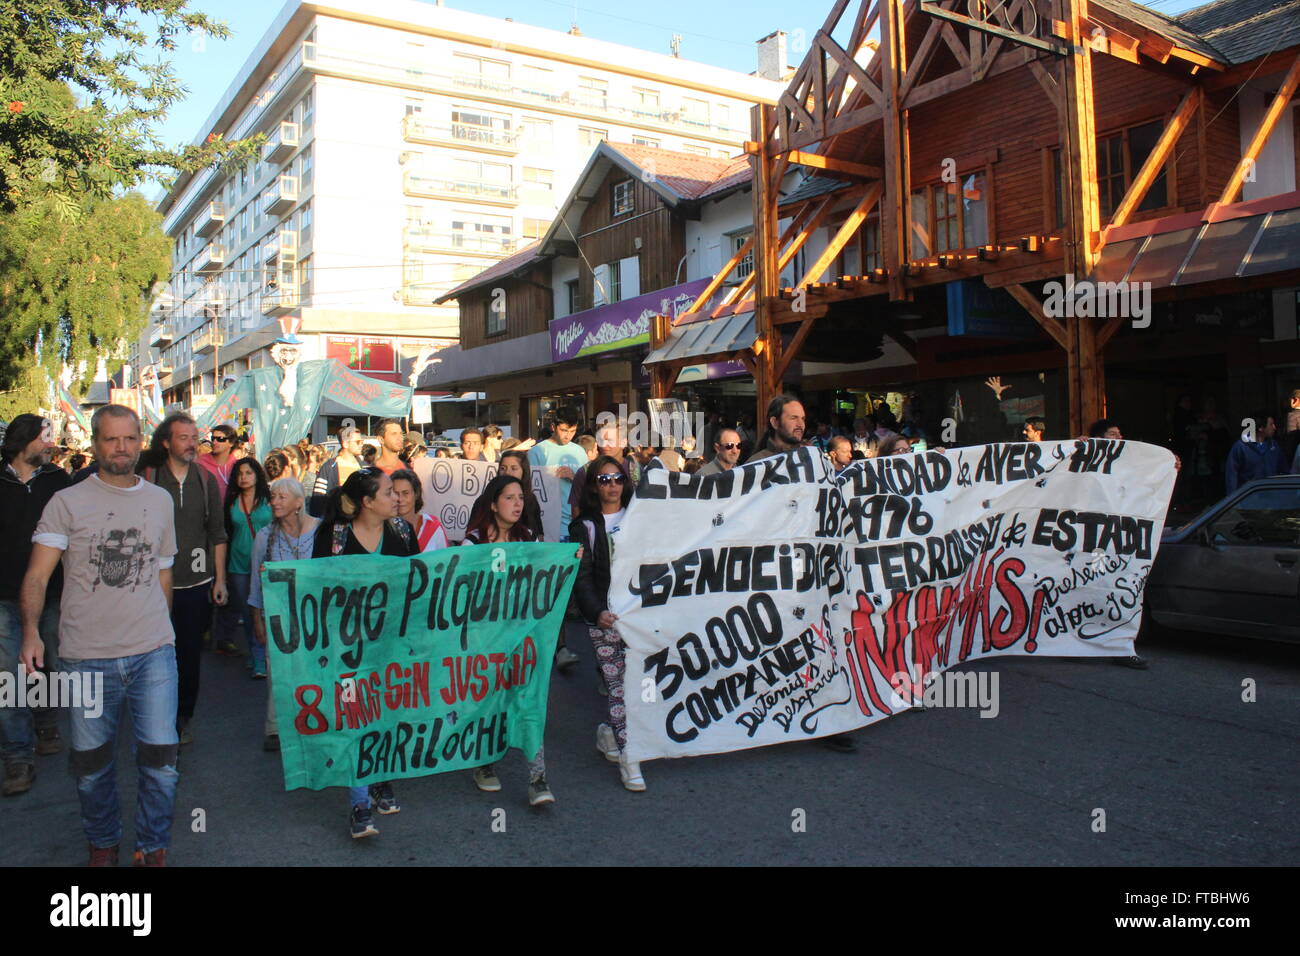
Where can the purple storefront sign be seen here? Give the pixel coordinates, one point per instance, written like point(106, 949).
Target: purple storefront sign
point(619, 325)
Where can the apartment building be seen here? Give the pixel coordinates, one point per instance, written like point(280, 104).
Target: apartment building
point(409, 146)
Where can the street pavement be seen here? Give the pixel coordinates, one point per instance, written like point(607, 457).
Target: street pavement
point(1185, 770)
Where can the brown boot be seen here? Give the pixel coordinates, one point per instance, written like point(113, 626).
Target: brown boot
point(152, 858)
point(18, 778)
point(48, 741)
point(103, 856)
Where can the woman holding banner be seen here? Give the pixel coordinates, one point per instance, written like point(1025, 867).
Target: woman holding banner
point(606, 494)
point(289, 537)
point(515, 464)
point(429, 532)
point(248, 510)
point(361, 518)
point(498, 517)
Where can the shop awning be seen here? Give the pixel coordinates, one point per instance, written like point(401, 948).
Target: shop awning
point(1243, 241)
point(703, 341)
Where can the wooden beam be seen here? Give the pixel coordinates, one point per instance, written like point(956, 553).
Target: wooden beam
point(1079, 151)
point(924, 53)
point(801, 158)
point(894, 212)
point(842, 237)
point(1236, 75)
point(718, 279)
point(1157, 159)
point(767, 341)
point(908, 344)
point(1275, 109)
point(1107, 331)
point(789, 352)
point(984, 26)
point(1048, 83)
point(1051, 325)
point(949, 36)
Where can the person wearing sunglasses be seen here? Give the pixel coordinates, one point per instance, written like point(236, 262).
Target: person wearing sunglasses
point(221, 459)
point(726, 453)
point(605, 503)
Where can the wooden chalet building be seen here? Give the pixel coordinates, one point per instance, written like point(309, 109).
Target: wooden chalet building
point(964, 163)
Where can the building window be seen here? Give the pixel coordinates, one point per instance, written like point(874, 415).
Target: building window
point(645, 141)
point(621, 201)
point(746, 265)
point(695, 150)
point(647, 100)
point(1110, 172)
point(305, 270)
point(480, 126)
point(1120, 156)
point(542, 178)
point(871, 246)
point(595, 91)
point(495, 311)
point(571, 287)
point(948, 216)
point(480, 74)
point(304, 223)
point(414, 106)
point(308, 110)
point(536, 228)
point(538, 132)
point(696, 111)
point(591, 136)
point(305, 164)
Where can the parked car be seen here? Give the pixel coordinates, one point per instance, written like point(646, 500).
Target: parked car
point(1235, 568)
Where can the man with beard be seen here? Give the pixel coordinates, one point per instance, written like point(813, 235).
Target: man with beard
point(114, 534)
point(785, 424)
point(28, 480)
point(201, 543)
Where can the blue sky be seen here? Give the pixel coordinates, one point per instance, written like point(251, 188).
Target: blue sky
point(720, 32)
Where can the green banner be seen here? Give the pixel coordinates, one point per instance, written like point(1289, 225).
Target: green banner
point(384, 668)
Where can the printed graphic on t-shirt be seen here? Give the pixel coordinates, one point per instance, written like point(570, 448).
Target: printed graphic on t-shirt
point(121, 556)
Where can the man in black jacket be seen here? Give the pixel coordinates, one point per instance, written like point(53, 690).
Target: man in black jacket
point(27, 482)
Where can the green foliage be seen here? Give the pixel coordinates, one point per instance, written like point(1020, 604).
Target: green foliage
point(83, 85)
point(73, 289)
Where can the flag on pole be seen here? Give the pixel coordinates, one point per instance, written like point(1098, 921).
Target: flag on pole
point(72, 409)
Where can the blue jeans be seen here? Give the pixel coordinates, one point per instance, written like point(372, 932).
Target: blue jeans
point(147, 684)
point(237, 607)
point(17, 740)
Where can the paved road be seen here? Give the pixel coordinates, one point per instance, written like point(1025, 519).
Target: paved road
point(1187, 773)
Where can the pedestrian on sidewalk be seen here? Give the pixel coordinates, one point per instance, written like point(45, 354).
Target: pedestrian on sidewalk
point(115, 535)
point(361, 518)
point(596, 527)
point(28, 480)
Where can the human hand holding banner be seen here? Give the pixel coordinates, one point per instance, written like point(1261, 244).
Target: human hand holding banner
point(384, 667)
point(778, 601)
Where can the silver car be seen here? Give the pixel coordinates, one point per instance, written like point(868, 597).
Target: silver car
point(1235, 568)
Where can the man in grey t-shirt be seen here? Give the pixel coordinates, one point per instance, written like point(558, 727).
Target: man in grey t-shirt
point(726, 453)
point(115, 535)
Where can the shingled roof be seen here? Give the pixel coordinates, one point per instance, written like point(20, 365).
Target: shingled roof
point(1245, 29)
point(687, 175)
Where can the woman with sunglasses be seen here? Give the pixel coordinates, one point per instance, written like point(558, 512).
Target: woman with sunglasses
point(361, 518)
point(247, 511)
point(221, 459)
point(605, 497)
point(496, 518)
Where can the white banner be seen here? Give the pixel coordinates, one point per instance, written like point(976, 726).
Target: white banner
point(452, 484)
point(779, 602)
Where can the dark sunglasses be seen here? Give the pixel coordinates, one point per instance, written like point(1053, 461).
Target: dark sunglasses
point(728, 446)
point(219, 438)
point(615, 478)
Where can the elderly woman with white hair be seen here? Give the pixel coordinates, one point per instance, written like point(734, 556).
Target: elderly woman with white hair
point(289, 537)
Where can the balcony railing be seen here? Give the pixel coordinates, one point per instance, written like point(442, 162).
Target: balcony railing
point(160, 336)
point(284, 244)
point(283, 194)
point(207, 342)
point(210, 219)
point(477, 190)
point(416, 73)
point(280, 299)
point(420, 293)
point(211, 259)
point(436, 239)
point(492, 139)
point(281, 143)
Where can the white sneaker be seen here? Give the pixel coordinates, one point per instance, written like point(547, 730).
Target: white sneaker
point(631, 774)
point(485, 778)
point(607, 743)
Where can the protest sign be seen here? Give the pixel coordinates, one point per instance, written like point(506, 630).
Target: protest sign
point(451, 485)
point(387, 667)
point(778, 601)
